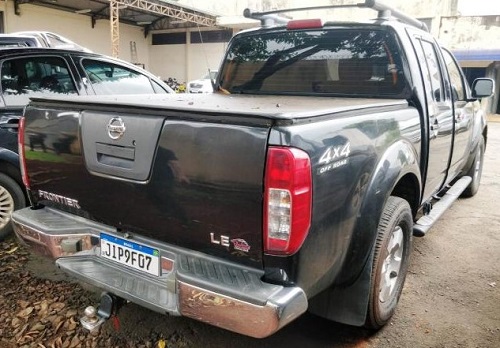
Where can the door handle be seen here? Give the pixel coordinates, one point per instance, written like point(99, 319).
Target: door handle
point(435, 129)
point(12, 123)
point(9, 125)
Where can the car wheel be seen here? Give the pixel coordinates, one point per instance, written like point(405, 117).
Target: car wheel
point(11, 198)
point(390, 263)
point(475, 171)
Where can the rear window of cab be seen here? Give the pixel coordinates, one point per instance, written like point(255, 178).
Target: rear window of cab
point(347, 62)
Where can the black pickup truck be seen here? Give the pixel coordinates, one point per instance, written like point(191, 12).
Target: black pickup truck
point(298, 185)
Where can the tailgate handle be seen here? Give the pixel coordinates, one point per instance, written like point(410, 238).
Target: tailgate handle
point(114, 155)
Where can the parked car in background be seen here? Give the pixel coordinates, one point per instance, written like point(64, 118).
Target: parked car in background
point(203, 85)
point(34, 72)
point(14, 40)
point(48, 39)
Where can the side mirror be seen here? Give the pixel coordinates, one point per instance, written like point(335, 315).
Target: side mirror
point(483, 88)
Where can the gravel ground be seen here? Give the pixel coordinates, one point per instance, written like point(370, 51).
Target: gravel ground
point(451, 297)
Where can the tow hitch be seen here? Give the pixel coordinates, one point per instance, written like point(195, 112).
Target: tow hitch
point(93, 318)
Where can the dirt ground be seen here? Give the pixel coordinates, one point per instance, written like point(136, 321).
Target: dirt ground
point(451, 297)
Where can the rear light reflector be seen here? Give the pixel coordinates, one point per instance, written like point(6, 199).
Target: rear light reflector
point(22, 159)
point(304, 24)
point(287, 200)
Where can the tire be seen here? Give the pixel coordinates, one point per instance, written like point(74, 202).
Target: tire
point(391, 260)
point(475, 171)
point(11, 198)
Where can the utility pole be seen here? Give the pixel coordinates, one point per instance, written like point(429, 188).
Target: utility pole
point(114, 18)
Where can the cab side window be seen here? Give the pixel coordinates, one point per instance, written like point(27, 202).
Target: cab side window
point(27, 77)
point(457, 84)
point(109, 78)
point(434, 70)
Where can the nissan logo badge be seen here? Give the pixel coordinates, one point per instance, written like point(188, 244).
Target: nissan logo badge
point(116, 128)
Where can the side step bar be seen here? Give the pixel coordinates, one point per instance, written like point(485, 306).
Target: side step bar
point(423, 224)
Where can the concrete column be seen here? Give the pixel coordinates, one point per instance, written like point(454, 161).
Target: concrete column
point(187, 65)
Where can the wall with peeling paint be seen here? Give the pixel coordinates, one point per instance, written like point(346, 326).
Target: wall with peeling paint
point(77, 28)
point(470, 32)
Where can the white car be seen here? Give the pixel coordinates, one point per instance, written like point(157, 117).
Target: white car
point(203, 85)
point(48, 39)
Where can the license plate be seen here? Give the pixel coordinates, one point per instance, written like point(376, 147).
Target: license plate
point(126, 252)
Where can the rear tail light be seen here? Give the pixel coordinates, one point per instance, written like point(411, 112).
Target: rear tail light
point(287, 200)
point(22, 159)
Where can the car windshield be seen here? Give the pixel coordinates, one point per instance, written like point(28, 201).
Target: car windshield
point(348, 62)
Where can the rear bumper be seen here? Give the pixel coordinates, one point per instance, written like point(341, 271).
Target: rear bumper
point(191, 284)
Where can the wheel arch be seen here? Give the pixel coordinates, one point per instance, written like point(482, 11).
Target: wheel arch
point(396, 173)
point(408, 188)
point(10, 169)
point(9, 165)
point(470, 161)
point(485, 135)
point(16, 197)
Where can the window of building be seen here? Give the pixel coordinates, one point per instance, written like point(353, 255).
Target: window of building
point(211, 36)
point(169, 39)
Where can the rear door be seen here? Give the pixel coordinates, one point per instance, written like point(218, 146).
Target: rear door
point(464, 114)
point(440, 111)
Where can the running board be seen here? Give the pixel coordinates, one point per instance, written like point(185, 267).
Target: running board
point(423, 224)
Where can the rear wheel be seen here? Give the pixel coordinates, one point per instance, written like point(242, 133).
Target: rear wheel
point(11, 198)
point(475, 171)
point(390, 263)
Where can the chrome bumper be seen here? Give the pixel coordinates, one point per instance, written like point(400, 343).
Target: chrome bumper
point(191, 284)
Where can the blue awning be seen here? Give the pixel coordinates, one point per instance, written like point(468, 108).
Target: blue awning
point(477, 55)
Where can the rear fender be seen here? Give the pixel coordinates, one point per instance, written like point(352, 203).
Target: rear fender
point(347, 300)
point(480, 129)
point(9, 156)
point(400, 159)
point(9, 164)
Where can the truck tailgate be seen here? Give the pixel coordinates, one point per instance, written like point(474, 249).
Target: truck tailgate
point(194, 182)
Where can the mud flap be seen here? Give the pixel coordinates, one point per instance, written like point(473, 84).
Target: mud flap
point(345, 304)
